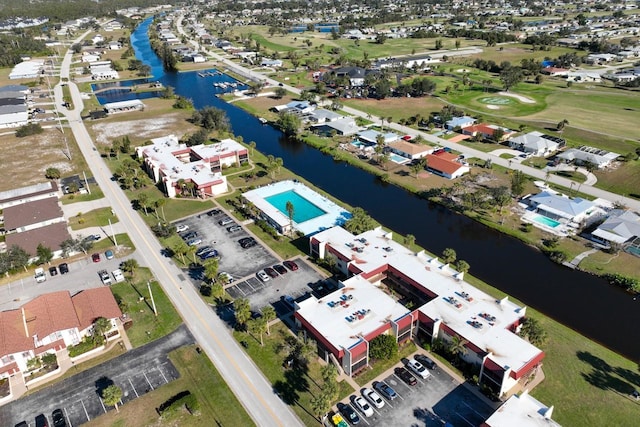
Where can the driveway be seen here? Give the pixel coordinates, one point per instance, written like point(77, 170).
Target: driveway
point(137, 372)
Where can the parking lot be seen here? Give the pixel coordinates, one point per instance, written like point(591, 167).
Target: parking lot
point(233, 259)
point(243, 264)
point(438, 400)
point(136, 372)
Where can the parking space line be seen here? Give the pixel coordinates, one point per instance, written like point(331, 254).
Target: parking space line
point(465, 420)
point(148, 382)
point(102, 403)
point(85, 410)
point(388, 403)
point(465, 404)
point(134, 389)
point(66, 413)
point(165, 378)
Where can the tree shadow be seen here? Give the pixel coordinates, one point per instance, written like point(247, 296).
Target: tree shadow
point(101, 384)
point(427, 417)
point(606, 377)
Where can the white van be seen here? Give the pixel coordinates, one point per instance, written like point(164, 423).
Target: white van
point(39, 275)
point(117, 275)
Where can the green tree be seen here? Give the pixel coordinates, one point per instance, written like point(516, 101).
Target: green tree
point(242, 311)
point(457, 346)
point(111, 396)
point(462, 266)
point(200, 137)
point(360, 221)
point(280, 93)
point(269, 314)
point(211, 118)
point(383, 347)
point(52, 173)
point(381, 38)
point(101, 326)
point(289, 123)
point(511, 76)
point(257, 327)
point(130, 266)
point(438, 44)
point(449, 256)
point(518, 180)
point(180, 249)
point(409, 240)
point(290, 211)
point(320, 404)
point(144, 202)
point(211, 269)
point(533, 331)
point(44, 254)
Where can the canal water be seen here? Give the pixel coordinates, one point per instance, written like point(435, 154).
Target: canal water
point(582, 302)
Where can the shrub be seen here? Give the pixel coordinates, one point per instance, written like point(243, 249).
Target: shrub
point(383, 347)
point(627, 283)
point(184, 398)
point(29, 129)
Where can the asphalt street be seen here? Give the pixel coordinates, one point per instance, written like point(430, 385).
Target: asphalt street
point(243, 377)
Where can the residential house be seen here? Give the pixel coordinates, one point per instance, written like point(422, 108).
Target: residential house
point(354, 74)
point(32, 214)
point(50, 236)
point(446, 165)
point(124, 106)
point(271, 63)
point(343, 127)
point(27, 69)
point(409, 150)
point(97, 39)
point(584, 155)
point(345, 321)
point(537, 143)
point(296, 107)
point(28, 194)
point(487, 131)
point(584, 77)
point(52, 322)
point(115, 45)
point(321, 115)
point(460, 122)
point(621, 226)
point(555, 71)
point(370, 137)
point(561, 208)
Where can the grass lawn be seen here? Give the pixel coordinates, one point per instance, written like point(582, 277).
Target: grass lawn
point(96, 193)
point(622, 263)
point(572, 175)
point(379, 366)
point(123, 240)
point(146, 326)
point(218, 405)
point(398, 108)
point(624, 180)
point(95, 218)
point(296, 386)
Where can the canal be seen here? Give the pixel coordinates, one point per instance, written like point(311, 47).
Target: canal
point(581, 301)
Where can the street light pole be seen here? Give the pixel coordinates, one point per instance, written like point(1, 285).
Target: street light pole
point(115, 242)
point(153, 303)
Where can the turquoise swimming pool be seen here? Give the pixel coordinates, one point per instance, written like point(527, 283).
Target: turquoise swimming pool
point(398, 159)
point(303, 209)
point(545, 221)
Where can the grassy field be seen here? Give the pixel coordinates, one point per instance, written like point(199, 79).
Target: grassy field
point(218, 405)
point(296, 386)
point(147, 327)
point(95, 218)
point(623, 180)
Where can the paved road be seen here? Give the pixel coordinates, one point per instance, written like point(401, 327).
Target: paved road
point(242, 376)
point(468, 152)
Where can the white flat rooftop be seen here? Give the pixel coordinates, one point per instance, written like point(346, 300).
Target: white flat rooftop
point(333, 214)
point(458, 304)
point(226, 147)
point(522, 411)
point(329, 315)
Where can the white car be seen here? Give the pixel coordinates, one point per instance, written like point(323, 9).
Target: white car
point(373, 397)
point(363, 406)
point(182, 227)
point(263, 276)
point(417, 368)
point(39, 275)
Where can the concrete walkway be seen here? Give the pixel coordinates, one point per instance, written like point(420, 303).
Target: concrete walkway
point(72, 209)
point(576, 261)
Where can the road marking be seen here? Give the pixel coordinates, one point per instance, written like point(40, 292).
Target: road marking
point(85, 410)
point(148, 382)
point(103, 408)
point(67, 416)
point(133, 387)
point(165, 378)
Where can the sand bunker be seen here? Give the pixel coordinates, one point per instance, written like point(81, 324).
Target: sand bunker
point(518, 97)
point(492, 107)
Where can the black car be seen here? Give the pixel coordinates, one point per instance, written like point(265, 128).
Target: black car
point(406, 376)
point(58, 418)
point(280, 269)
point(64, 268)
point(190, 235)
point(53, 271)
point(249, 244)
point(41, 421)
point(349, 413)
point(213, 212)
point(425, 361)
point(203, 250)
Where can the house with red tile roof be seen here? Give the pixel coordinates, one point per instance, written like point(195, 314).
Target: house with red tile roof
point(487, 131)
point(446, 165)
point(50, 323)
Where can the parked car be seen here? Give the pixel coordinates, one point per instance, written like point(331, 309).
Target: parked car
point(280, 269)
point(190, 235)
point(108, 254)
point(349, 413)
point(291, 265)
point(104, 277)
point(204, 249)
point(118, 276)
point(234, 228)
point(39, 275)
point(209, 254)
point(373, 398)
point(94, 237)
point(289, 301)
point(225, 221)
point(213, 212)
point(53, 271)
point(363, 406)
point(41, 421)
point(226, 277)
point(58, 418)
point(271, 272)
point(194, 242)
point(425, 361)
point(385, 390)
point(64, 268)
point(22, 424)
point(406, 376)
point(247, 242)
point(417, 368)
point(181, 228)
point(95, 257)
point(262, 276)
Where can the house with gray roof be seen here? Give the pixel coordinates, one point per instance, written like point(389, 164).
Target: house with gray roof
point(582, 155)
point(560, 207)
point(620, 227)
point(345, 127)
point(535, 143)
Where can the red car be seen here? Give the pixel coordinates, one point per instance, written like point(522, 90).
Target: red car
point(95, 257)
point(291, 265)
point(271, 272)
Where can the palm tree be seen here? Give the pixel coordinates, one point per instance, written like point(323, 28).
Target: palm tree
point(180, 249)
point(462, 266)
point(457, 346)
point(242, 311)
point(101, 326)
point(269, 314)
point(409, 240)
point(257, 326)
point(159, 204)
point(290, 211)
point(112, 395)
point(130, 266)
point(448, 256)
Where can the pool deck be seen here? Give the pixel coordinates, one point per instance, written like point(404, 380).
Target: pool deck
point(561, 230)
point(334, 214)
